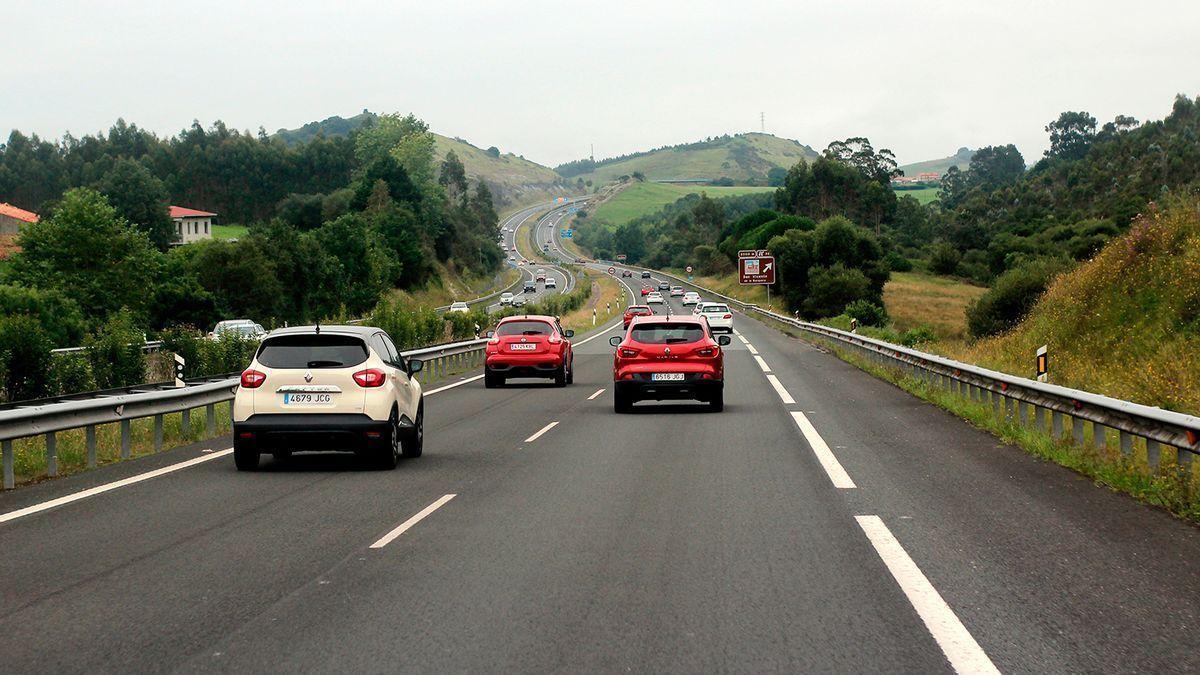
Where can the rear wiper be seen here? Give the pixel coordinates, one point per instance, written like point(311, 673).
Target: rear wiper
point(324, 364)
point(672, 341)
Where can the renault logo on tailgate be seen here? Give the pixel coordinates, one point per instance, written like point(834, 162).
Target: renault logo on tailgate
point(308, 376)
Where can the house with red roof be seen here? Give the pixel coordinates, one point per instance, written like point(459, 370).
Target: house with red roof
point(12, 219)
point(192, 225)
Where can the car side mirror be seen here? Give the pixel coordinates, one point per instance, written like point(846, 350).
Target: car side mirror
point(724, 340)
point(415, 366)
point(569, 333)
point(490, 334)
point(614, 340)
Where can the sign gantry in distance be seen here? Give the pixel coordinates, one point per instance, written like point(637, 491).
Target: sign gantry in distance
point(756, 267)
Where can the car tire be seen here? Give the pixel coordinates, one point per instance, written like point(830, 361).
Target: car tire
point(717, 402)
point(560, 376)
point(621, 403)
point(389, 455)
point(571, 373)
point(414, 442)
point(245, 459)
point(491, 380)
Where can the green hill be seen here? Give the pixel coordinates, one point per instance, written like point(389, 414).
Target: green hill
point(513, 180)
point(743, 158)
point(961, 159)
point(642, 199)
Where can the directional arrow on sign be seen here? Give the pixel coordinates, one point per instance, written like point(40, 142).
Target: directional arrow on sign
point(768, 266)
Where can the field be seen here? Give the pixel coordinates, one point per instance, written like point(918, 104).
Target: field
point(448, 286)
point(642, 199)
point(923, 195)
point(230, 231)
point(914, 299)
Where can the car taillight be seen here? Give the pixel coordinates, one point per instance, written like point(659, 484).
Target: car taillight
point(554, 339)
point(252, 379)
point(727, 316)
point(370, 377)
point(706, 351)
point(628, 352)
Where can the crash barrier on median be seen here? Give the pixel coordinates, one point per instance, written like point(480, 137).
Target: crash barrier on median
point(49, 419)
point(1017, 398)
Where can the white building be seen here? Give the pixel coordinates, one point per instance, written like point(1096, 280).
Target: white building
point(192, 225)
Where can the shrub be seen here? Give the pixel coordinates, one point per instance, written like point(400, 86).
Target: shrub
point(867, 313)
point(24, 357)
point(917, 336)
point(115, 352)
point(1011, 297)
point(70, 374)
point(830, 289)
point(897, 262)
point(944, 259)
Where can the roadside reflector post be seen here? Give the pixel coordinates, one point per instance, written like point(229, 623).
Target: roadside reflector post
point(179, 363)
point(1043, 364)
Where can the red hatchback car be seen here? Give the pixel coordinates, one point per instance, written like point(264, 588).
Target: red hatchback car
point(529, 346)
point(636, 310)
point(668, 358)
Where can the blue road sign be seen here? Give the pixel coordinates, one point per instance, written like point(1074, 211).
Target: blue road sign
point(567, 234)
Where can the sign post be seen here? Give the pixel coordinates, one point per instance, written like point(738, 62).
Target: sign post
point(757, 268)
point(1043, 364)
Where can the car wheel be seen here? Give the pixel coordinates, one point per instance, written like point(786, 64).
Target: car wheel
point(571, 373)
point(414, 443)
point(490, 380)
point(717, 402)
point(389, 455)
point(560, 376)
point(245, 459)
point(621, 403)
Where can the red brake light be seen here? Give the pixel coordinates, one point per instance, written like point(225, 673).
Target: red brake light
point(252, 379)
point(728, 316)
point(628, 352)
point(706, 351)
point(370, 377)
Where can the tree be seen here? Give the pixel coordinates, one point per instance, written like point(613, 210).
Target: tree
point(944, 259)
point(405, 139)
point(1071, 135)
point(830, 289)
point(141, 199)
point(24, 357)
point(996, 165)
point(954, 187)
point(493, 152)
point(776, 176)
point(453, 173)
point(858, 153)
point(90, 254)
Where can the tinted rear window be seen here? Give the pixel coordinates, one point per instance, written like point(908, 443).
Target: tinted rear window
point(666, 333)
point(312, 351)
point(715, 308)
point(524, 328)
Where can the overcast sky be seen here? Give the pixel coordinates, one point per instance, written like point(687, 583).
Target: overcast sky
point(545, 79)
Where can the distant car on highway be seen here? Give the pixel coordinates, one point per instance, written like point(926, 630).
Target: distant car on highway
point(530, 286)
point(654, 298)
point(645, 274)
point(519, 301)
point(506, 299)
point(551, 283)
point(676, 291)
point(340, 388)
point(691, 298)
point(529, 346)
point(541, 275)
point(664, 286)
point(636, 310)
point(626, 274)
point(645, 291)
point(459, 308)
point(668, 358)
point(718, 315)
point(237, 327)
point(545, 248)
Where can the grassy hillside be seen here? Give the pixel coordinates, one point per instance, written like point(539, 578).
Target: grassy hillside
point(1125, 324)
point(745, 158)
point(923, 195)
point(642, 199)
point(961, 159)
point(940, 303)
point(514, 181)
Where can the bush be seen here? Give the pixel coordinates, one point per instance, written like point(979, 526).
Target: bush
point(917, 336)
point(115, 352)
point(24, 357)
point(203, 357)
point(830, 289)
point(867, 313)
point(897, 262)
point(71, 373)
point(944, 259)
point(1011, 297)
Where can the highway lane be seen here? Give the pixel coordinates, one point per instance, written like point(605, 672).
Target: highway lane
point(669, 539)
point(519, 223)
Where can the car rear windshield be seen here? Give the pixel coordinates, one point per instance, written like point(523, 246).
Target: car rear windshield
point(524, 328)
point(666, 333)
point(715, 308)
point(312, 351)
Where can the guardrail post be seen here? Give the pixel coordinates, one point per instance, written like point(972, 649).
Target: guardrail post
point(1184, 459)
point(1077, 429)
point(1056, 424)
point(1126, 443)
point(185, 423)
point(1039, 417)
point(6, 448)
point(126, 450)
point(90, 434)
point(1153, 451)
point(1010, 408)
point(1098, 433)
point(1023, 413)
point(997, 404)
point(52, 454)
point(158, 433)
point(210, 419)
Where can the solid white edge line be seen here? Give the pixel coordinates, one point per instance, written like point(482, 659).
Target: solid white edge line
point(762, 364)
point(100, 489)
point(961, 649)
point(751, 348)
point(593, 396)
point(541, 431)
point(825, 456)
point(404, 527)
point(452, 385)
point(783, 393)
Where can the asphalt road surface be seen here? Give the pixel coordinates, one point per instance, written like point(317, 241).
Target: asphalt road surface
point(825, 521)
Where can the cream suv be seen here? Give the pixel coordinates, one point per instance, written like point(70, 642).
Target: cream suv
point(341, 388)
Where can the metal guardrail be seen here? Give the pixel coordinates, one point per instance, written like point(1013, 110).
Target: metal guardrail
point(1018, 398)
point(149, 347)
point(48, 419)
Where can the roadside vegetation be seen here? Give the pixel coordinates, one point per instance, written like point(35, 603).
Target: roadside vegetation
point(641, 199)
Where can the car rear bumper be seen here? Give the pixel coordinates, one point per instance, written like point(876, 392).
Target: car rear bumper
point(312, 431)
point(533, 365)
point(693, 387)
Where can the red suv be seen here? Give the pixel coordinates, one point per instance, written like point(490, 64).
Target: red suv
point(636, 310)
point(668, 358)
point(529, 346)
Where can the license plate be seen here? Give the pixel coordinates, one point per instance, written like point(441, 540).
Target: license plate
point(307, 399)
point(666, 377)
point(522, 347)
